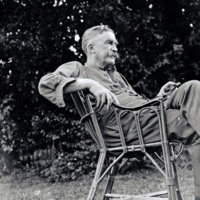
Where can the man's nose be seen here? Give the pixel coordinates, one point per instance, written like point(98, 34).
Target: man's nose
point(114, 48)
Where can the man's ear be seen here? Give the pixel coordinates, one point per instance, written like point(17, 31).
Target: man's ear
point(91, 49)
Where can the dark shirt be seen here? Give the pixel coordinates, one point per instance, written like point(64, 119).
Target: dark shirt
point(51, 87)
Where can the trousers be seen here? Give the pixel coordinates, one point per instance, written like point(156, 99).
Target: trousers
point(186, 100)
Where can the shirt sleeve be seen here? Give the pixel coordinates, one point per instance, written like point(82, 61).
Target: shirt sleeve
point(51, 85)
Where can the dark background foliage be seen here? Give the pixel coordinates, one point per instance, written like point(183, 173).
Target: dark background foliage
point(158, 41)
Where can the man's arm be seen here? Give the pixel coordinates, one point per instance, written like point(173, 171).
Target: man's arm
point(102, 94)
point(66, 79)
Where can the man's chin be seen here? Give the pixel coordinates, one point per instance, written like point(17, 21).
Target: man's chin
point(109, 65)
point(111, 61)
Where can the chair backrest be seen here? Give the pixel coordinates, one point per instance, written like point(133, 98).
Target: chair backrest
point(88, 117)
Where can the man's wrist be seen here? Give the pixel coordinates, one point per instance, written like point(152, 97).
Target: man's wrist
point(89, 83)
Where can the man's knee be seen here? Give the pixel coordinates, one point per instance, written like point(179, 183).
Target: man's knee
point(194, 85)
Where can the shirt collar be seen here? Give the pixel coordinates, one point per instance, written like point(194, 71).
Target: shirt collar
point(110, 69)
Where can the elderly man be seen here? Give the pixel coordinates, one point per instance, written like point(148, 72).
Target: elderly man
point(101, 78)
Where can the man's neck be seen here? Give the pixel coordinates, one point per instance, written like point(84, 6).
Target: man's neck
point(98, 65)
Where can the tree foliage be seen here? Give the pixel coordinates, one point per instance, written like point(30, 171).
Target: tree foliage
point(158, 41)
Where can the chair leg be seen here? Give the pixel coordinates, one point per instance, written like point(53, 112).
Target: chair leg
point(95, 182)
point(171, 175)
point(110, 181)
point(177, 183)
point(171, 179)
point(173, 186)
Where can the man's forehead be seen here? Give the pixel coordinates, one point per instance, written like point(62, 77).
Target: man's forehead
point(107, 35)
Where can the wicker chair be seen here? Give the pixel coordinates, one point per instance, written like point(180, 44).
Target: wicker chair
point(89, 118)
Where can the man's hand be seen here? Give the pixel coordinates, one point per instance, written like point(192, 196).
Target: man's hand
point(168, 87)
point(102, 95)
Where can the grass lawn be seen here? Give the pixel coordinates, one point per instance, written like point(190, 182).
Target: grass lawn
point(143, 180)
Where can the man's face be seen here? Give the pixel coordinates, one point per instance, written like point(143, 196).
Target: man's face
point(105, 49)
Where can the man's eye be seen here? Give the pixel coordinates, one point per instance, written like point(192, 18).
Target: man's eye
point(109, 42)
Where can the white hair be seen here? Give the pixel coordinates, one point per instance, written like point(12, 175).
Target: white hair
point(91, 33)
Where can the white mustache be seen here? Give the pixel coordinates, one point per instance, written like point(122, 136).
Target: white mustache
point(116, 55)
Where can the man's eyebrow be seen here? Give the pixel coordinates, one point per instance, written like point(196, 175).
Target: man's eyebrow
point(110, 40)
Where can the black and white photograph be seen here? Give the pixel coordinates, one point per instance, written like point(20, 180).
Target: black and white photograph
point(100, 100)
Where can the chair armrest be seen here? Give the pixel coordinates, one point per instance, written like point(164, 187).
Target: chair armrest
point(153, 102)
